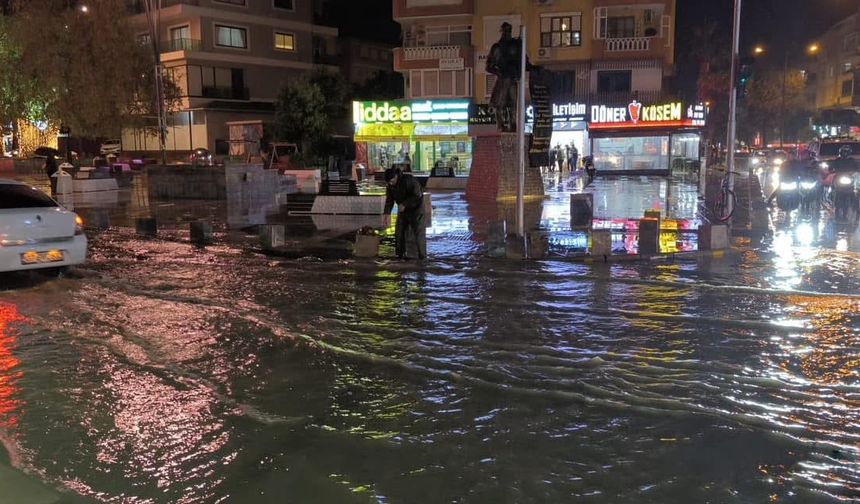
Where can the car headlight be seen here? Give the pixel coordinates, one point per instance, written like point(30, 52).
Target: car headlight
point(788, 186)
point(79, 225)
point(755, 161)
point(807, 186)
point(824, 166)
point(778, 162)
point(846, 180)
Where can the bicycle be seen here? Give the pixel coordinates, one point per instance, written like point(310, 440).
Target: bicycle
point(727, 201)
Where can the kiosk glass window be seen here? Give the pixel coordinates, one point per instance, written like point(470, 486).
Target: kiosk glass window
point(685, 152)
point(631, 153)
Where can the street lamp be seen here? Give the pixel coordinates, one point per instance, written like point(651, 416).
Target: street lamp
point(811, 50)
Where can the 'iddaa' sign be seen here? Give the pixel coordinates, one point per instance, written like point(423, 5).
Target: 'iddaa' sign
point(410, 112)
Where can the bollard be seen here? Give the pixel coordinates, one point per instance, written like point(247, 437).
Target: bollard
point(272, 236)
point(601, 243)
point(65, 184)
point(201, 233)
point(713, 237)
point(649, 237)
point(496, 240)
point(99, 220)
point(147, 227)
point(581, 211)
point(538, 245)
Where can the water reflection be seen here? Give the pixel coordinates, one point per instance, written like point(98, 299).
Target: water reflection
point(10, 375)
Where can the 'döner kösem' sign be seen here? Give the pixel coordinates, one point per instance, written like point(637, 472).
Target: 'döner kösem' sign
point(399, 111)
point(636, 114)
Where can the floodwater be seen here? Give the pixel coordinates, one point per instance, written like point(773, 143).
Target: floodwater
point(169, 374)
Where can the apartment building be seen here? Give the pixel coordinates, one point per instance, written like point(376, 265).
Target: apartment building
point(610, 60)
point(361, 59)
point(230, 58)
point(603, 50)
point(837, 78)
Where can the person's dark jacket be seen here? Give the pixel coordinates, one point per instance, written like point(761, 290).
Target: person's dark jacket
point(407, 192)
point(51, 166)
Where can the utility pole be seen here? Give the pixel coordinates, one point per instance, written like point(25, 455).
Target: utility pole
point(733, 102)
point(152, 8)
point(521, 133)
point(782, 104)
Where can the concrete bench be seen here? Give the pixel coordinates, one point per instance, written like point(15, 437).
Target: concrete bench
point(349, 205)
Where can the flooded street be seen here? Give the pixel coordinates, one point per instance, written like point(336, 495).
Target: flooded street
point(169, 374)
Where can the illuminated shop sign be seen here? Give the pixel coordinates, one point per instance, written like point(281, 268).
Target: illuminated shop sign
point(563, 112)
point(410, 112)
point(640, 115)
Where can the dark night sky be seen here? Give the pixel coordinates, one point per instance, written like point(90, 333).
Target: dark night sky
point(772, 23)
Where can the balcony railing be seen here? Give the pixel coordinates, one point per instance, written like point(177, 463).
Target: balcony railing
point(136, 6)
point(226, 93)
point(430, 53)
point(181, 44)
point(628, 44)
point(624, 98)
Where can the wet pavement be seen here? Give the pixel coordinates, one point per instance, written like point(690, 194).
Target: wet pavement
point(166, 373)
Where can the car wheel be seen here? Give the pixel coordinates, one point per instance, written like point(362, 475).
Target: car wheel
point(53, 272)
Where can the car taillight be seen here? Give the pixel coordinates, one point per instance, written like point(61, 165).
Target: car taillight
point(79, 225)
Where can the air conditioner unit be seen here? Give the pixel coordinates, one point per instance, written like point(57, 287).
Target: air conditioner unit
point(543, 2)
point(544, 53)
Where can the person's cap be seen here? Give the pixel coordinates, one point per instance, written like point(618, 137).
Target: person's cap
point(506, 26)
point(390, 174)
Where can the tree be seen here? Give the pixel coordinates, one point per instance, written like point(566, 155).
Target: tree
point(84, 70)
point(765, 102)
point(383, 85)
point(301, 114)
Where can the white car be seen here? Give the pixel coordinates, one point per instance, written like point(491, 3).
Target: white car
point(111, 147)
point(36, 232)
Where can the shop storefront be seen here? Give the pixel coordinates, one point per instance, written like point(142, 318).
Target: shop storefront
point(569, 125)
point(427, 135)
point(641, 138)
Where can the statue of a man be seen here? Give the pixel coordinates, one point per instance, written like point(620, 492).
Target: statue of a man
point(504, 61)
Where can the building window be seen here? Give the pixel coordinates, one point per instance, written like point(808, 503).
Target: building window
point(231, 2)
point(144, 39)
point(620, 27)
point(180, 33)
point(614, 82)
point(847, 88)
point(439, 83)
point(285, 41)
point(847, 66)
point(561, 31)
point(284, 4)
point(230, 36)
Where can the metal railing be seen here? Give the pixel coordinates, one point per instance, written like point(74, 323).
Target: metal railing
point(181, 44)
point(628, 44)
point(430, 52)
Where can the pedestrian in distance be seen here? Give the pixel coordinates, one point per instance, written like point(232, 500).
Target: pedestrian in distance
point(50, 169)
point(574, 157)
point(404, 190)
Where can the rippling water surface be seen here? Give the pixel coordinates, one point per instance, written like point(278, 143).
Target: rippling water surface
point(222, 376)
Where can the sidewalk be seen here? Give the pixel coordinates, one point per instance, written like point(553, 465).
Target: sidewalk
point(458, 228)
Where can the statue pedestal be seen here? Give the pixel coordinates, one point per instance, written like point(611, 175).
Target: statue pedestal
point(495, 168)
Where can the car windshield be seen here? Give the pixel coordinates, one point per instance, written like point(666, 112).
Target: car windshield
point(21, 196)
point(832, 149)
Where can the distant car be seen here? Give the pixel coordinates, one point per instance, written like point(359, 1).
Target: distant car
point(111, 147)
point(36, 232)
point(830, 149)
point(201, 157)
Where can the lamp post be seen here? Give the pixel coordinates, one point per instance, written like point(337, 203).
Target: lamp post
point(733, 103)
point(811, 50)
point(152, 8)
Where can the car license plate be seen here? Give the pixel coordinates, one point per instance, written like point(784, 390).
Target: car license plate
point(50, 256)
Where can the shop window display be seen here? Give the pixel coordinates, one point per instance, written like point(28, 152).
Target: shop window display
point(632, 153)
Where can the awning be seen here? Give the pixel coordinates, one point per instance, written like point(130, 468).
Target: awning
point(838, 117)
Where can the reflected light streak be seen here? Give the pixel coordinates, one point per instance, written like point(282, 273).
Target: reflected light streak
point(8, 363)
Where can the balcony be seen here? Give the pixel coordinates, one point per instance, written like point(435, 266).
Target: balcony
point(622, 99)
point(403, 9)
point(136, 6)
point(430, 53)
point(226, 93)
point(446, 57)
point(181, 44)
point(629, 44)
